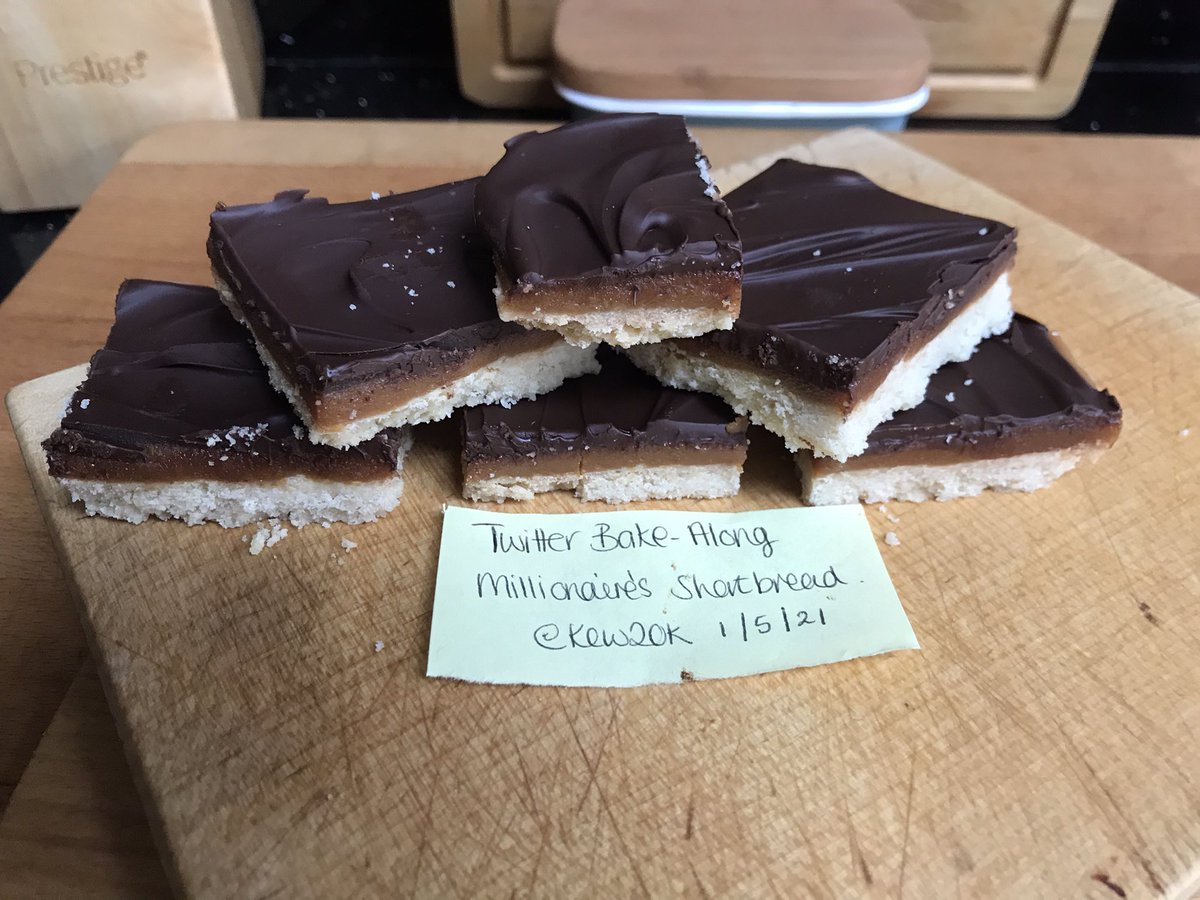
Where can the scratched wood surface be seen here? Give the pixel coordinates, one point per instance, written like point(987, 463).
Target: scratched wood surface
point(76, 826)
point(1042, 744)
point(60, 311)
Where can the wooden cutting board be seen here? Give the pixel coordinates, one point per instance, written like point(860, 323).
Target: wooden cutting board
point(1043, 743)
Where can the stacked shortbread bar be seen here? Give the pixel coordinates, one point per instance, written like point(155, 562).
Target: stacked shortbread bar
point(612, 230)
point(874, 333)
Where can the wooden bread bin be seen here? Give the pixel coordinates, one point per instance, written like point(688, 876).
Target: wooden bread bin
point(81, 81)
point(1018, 58)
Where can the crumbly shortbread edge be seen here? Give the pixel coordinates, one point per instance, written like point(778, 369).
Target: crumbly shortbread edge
point(625, 484)
point(300, 499)
point(884, 483)
point(625, 327)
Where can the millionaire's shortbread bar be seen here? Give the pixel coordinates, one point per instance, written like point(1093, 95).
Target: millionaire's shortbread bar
point(378, 313)
point(1015, 416)
point(176, 419)
point(617, 436)
point(610, 229)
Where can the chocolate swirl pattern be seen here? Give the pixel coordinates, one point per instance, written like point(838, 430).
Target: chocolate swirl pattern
point(841, 275)
point(617, 193)
point(178, 372)
point(619, 408)
point(348, 290)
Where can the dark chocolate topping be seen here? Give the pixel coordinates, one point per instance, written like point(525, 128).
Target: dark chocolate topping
point(1014, 384)
point(402, 284)
point(179, 374)
point(610, 194)
point(619, 408)
point(842, 277)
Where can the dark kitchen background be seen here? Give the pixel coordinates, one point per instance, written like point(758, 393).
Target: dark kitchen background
point(377, 60)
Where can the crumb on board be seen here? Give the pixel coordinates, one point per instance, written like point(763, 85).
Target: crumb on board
point(378, 645)
point(258, 541)
point(348, 544)
point(891, 539)
point(268, 536)
point(278, 532)
point(893, 518)
point(1184, 432)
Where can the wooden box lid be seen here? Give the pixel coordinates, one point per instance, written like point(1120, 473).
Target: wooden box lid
point(796, 50)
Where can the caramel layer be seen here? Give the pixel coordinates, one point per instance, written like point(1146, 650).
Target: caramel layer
point(621, 292)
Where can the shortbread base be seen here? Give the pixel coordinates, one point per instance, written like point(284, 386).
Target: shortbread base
point(625, 484)
point(621, 328)
point(505, 381)
point(880, 484)
point(299, 499)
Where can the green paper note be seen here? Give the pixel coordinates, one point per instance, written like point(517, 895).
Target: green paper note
point(619, 599)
